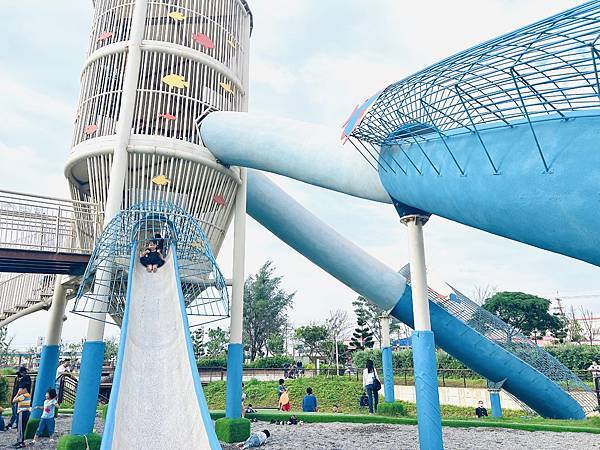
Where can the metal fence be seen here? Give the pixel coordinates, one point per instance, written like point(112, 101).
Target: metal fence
point(19, 291)
point(47, 224)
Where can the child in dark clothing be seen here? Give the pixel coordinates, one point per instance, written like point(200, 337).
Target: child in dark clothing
point(152, 257)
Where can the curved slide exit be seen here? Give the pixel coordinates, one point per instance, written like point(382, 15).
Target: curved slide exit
point(157, 400)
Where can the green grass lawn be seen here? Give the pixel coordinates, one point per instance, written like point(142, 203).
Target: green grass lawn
point(341, 391)
point(579, 426)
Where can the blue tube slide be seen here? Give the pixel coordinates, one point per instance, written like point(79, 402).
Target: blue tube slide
point(318, 242)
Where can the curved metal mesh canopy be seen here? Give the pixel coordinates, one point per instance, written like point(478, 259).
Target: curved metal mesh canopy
point(545, 71)
point(104, 285)
point(512, 340)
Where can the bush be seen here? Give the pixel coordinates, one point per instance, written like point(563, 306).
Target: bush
point(4, 390)
point(90, 441)
point(575, 357)
point(31, 428)
point(395, 409)
point(104, 410)
point(232, 430)
point(219, 361)
point(271, 362)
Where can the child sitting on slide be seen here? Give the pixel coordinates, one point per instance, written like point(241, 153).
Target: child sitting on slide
point(152, 257)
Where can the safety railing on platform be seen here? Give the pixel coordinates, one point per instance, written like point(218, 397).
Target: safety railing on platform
point(19, 291)
point(47, 224)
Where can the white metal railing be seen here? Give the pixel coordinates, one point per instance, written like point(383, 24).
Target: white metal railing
point(19, 291)
point(40, 223)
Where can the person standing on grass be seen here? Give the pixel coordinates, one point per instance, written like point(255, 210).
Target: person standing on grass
point(480, 411)
point(280, 388)
point(309, 403)
point(23, 402)
point(369, 380)
point(62, 370)
point(46, 425)
point(284, 401)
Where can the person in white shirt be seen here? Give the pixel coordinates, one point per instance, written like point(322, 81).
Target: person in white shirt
point(255, 440)
point(63, 368)
point(369, 376)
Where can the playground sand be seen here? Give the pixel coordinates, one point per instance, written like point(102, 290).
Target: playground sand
point(338, 436)
point(63, 426)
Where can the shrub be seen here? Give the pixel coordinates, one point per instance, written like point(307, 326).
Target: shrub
point(31, 428)
point(104, 410)
point(232, 430)
point(3, 390)
point(575, 357)
point(395, 409)
point(271, 362)
point(90, 441)
point(219, 361)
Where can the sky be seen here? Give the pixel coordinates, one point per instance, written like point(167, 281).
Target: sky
point(309, 60)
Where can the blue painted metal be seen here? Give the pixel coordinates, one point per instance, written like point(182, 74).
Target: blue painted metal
point(388, 374)
point(547, 212)
point(235, 364)
point(46, 377)
point(387, 288)
point(109, 425)
point(105, 280)
point(88, 387)
point(495, 402)
point(426, 386)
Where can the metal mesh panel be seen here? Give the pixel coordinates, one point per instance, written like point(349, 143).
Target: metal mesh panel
point(104, 285)
point(545, 71)
point(512, 340)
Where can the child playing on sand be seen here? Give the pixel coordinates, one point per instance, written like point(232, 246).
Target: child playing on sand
point(152, 257)
point(46, 426)
point(255, 440)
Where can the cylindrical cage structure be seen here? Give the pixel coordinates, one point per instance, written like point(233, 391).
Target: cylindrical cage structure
point(194, 60)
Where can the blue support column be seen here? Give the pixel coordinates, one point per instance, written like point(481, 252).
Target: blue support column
point(495, 402)
point(428, 402)
point(233, 392)
point(388, 374)
point(88, 387)
point(46, 377)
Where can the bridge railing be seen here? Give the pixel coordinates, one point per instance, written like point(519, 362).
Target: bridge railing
point(47, 224)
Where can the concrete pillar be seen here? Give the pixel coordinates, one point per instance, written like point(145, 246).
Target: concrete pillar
point(386, 356)
point(495, 402)
point(93, 349)
point(424, 359)
point(50, 351)
point(235, 353)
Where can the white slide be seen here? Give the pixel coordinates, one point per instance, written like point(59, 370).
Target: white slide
point(157, 400)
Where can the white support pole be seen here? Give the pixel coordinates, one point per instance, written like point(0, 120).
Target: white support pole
point(235, 354)
point(239, 255)
point(385, 330)
point(423, 342)
point(118, 170)
point(57, 313)
point(418, 272)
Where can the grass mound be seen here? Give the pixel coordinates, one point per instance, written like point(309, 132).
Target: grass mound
point(395, 409)
point(232, 430)
point(90, 441)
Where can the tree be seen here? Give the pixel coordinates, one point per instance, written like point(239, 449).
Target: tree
point(216, 344)
point(574, 330)
point(482, 293)
point(111, 351)
point(338, 327)
point(311, 338)
point(275, 344)
point(524, 313)
point(588, 328)
point(362, 338)
point(5, 344)
point(198, 342)
point(265, 309)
